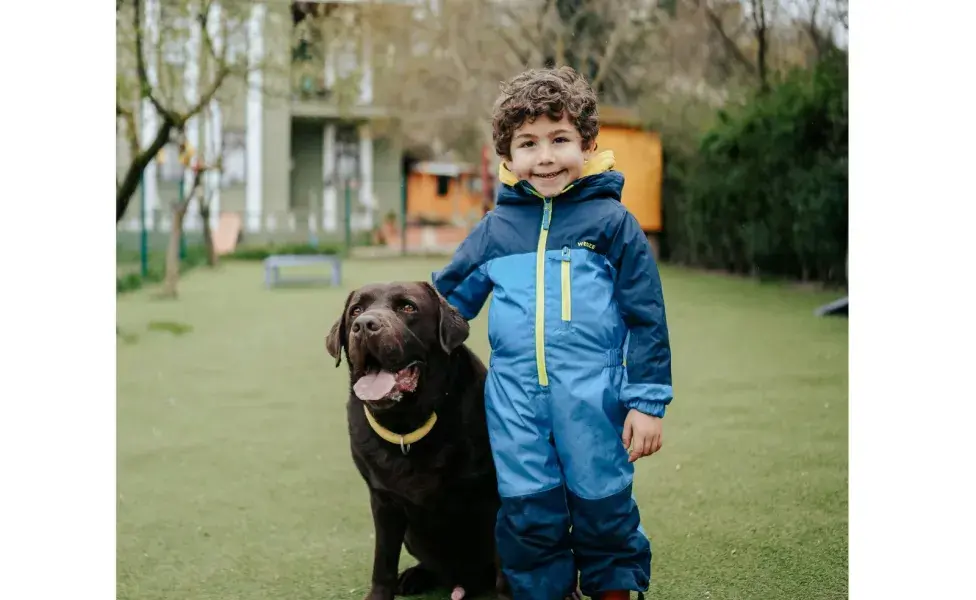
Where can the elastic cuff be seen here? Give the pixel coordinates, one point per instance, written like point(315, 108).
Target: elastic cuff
point(655, 408)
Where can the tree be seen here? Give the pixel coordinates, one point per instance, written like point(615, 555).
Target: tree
point(174, 58)
point(178, 211)
point(206, 196)
point(145, 77)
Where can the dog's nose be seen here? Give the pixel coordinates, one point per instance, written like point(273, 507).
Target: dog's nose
point(369, 322)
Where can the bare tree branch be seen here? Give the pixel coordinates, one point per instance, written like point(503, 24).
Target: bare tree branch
point(222, 73)
point(125, 190)
point(522, 56)
point(606, 60)
point(727, 41)
point(131, 131)
point(166, 94)
point(813, 30)
point(145, 86)
point(533, 39)
point(759, 19)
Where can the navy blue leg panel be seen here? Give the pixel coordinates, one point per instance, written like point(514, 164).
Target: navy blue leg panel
point(534, 545)
point(612, 551)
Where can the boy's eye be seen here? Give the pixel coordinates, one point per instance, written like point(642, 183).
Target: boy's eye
point(562, 139)
point(525, 144)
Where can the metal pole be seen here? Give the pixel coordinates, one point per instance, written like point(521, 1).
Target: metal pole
point(347, 210)
point(403, 216)
point(182, 238)
point(143, 234)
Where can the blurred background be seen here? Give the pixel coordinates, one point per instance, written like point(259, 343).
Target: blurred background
point(364, 126)
point(272, 156)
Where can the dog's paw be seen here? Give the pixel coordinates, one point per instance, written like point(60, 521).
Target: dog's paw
point(416, 580)
point(379, 593)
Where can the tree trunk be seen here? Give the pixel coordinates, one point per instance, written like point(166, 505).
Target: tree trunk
point(172, 279)
point(208, 241)
point(762, 39)
point(133, 176)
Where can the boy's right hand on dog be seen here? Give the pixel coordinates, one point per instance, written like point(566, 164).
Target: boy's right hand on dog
point(642, 434)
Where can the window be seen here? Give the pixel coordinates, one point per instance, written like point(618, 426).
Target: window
point(443, 185)
point(234, 150)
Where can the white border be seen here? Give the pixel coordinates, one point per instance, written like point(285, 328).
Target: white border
point(57, 404)
point(912, 326)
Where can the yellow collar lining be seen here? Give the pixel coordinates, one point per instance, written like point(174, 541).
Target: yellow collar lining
point(404, 441)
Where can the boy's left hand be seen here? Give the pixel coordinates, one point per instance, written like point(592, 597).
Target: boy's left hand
point(642, 434)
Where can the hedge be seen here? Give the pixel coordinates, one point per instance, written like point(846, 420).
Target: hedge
point(766, 192)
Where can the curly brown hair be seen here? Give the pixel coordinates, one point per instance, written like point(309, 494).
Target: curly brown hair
point(551, 92)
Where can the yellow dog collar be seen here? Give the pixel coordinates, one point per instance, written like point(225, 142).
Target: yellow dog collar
point(404, 441)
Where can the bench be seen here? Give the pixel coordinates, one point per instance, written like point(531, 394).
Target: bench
point(274, 263)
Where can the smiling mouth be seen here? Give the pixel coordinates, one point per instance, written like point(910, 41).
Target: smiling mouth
point(550, 175)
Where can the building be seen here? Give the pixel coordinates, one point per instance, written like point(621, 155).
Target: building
point(445, 192)
point(638, 154)
point(299, 140)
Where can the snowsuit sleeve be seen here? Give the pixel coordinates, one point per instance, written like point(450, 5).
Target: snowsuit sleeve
point(464, 282)
point(647, 374)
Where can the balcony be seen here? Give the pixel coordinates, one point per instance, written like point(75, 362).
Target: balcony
point(331, 67)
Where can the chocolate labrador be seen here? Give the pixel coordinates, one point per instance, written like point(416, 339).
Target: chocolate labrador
point(419, 439)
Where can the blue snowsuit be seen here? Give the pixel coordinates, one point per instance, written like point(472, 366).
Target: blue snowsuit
point(578, 337)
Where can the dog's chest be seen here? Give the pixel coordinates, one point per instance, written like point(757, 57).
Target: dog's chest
point(422, 481)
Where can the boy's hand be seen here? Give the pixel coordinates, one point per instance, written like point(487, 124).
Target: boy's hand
point(642, 434)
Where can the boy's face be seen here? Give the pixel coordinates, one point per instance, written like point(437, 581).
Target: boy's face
point(548, 154)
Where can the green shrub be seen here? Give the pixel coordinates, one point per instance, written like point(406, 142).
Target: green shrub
point(766, 192)
point(264, 251)
point(195, 256)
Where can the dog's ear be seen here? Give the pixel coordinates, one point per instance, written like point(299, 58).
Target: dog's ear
point(452, 328)
point(336, 341)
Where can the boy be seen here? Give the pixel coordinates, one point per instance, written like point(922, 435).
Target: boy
point(580, 351)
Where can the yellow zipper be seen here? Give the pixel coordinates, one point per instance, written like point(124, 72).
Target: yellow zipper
point(566, 284)
point(540, 294)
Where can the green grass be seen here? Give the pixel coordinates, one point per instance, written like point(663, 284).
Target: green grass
point(235, 481)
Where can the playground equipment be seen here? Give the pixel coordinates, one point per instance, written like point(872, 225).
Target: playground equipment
point(837, 308)
point(228, 232)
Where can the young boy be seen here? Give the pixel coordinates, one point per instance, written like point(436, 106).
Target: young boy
point(580, 368)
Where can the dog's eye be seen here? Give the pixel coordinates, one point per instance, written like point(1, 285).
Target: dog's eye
point(408, 307)
point(356, 310)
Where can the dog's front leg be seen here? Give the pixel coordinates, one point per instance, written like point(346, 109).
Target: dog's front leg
point(389, 525)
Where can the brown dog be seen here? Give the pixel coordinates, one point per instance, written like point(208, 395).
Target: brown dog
point(419, 439)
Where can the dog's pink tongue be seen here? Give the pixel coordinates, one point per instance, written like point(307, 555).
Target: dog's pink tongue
point(374, 386)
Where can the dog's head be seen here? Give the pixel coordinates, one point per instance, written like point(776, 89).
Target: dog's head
point(395, 335)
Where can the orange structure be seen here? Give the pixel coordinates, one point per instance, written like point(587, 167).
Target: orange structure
point(449, 192)
point(638, 156)
point(444, 192)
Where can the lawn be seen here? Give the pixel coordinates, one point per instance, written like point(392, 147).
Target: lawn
point(235, 482)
